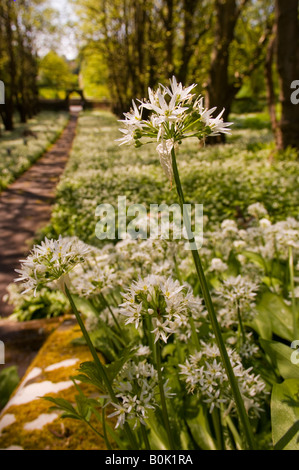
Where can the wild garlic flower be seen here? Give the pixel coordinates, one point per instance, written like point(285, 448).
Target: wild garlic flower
point(108, 315)
point(229, 226)
point(91, 282)
point(239, 289)
point(248, 349)
point(257, 210)
point(175, 114)
point(272, 240)
point(136, 389)
point(205, 375)
point(217, 265)
point(168, 304)
point(238, 297)
point(51, 260)
point(287, 234)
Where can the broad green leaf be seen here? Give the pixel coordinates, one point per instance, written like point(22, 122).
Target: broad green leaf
point(9, 379)
point(285, 415)
point(84, 306)
point(256, 258)
point(169, 349)
point(158, 436)
point(197, 422)
point(280, 315)
point(271, 281)
point(280, 355)
point(262, 324)
point(200, 432)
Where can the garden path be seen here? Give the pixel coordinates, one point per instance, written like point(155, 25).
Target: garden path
point(25, 206)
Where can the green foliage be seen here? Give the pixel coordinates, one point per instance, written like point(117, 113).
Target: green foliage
point(198, 424)
point(9, 379)
point(55, 73)
point(273, 307)
point(46, 304)
point(94, 74)
point(285, 415)
point(280, 356)
point(20, 25)
point(227, 179)
point(162, 38)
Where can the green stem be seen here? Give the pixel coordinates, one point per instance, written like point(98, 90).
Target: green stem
point(216, 417)
point(234, 432)
point(162, 397)
point(177, 271)
point(114, 299)
point(212, 315)
point(99, 366)
point(145, 437)
point(112, 433)
point(194, 334)
point(111, 311)
point(104, 427)
point(96, 432)
point(291, 269)
point(148, 328)
point(241, 322)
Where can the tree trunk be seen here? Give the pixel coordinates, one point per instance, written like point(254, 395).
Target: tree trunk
point(220, 92)
point(271, 98)
point(169, 40)
point(189, 9)
point(287, 50)
point(7, 114)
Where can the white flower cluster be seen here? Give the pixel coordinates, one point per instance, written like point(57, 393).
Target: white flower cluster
point(51, 260)
point(175, 114)
point(248, 349)
point(257, 210)
point(237, 295)
point(204, 374)
point(257, 248)
point(166, 302)
point(135, 388)
point(94, 280)
point(272, 240)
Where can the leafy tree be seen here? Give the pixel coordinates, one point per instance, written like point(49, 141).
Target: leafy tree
point(241, 33)
point(144, 42)
point(94, 74)
point(19, 25)
point(55, 73)
point(219, 44)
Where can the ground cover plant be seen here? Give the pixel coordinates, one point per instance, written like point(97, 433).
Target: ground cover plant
point(24, 145)
point(197, 341)
point(227, 178)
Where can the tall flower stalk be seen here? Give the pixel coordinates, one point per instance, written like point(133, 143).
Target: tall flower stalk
point(292, 283)
point(177, 114)
point(213, 317)
point(159, 307)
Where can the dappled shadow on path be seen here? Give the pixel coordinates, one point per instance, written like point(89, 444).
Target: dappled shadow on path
point(25, 207)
